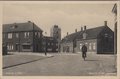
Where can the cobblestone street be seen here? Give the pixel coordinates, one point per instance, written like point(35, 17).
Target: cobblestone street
point(58, 65)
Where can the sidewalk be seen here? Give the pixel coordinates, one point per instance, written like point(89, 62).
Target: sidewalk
point(15, 59)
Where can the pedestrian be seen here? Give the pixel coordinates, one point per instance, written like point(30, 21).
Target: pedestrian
point(84, 50)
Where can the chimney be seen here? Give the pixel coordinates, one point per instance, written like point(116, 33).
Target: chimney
point(81, 28)
point(67, 33)
point(75, 30)
point(105, 23)
point(84, 28)
point(29, 21)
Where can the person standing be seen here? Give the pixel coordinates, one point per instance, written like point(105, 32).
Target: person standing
point(84, 50)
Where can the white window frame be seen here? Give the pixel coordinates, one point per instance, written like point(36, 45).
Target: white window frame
point(25, 34)
point(94, 46)
point(10, 35)
point(90, 46)
point(80, 46)
point(39, 34)
point(28, 34)
point(17, 35)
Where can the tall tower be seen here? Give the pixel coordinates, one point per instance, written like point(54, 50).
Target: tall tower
point(56, 33)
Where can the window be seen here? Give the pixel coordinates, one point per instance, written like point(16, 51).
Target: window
point(9, 35)
point(39, 34)
point(51, 43)
point(26, 46)
point(48, 43)
point(26, 34)
point(10, 47)
point(3, 35)
point(84, 35)
point(56, 44)
point(36, 33)
point(94, 46)
point(80, 46)
point(86, 43)
point(90, 46)
point(17, 35)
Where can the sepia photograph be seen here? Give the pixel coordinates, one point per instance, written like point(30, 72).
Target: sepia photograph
point(59, 38)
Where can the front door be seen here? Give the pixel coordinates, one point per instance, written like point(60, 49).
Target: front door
point(17, 47)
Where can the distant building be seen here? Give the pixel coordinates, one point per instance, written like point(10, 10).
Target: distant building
point(98, 40)
point(114, 10)
point(68, 43)
point(50, 44)
point(22, 37)
point(56, 33)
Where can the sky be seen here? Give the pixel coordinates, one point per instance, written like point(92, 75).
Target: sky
point(68, 16)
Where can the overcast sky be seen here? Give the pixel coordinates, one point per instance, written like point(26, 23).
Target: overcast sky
point(67, 16)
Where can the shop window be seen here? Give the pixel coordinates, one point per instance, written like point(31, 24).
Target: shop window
point(10, 47)
point(90, 46)
point(80, 46)
point(26, 46)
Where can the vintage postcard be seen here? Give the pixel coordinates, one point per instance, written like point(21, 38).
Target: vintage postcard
point(59, 39)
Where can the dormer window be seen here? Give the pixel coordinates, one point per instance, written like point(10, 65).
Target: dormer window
point(84, 35)
point(14, 26)
point(106, 35)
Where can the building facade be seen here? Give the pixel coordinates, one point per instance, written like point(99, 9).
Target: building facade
point(68, 43)
point(50, 44)
point(98, 40)
point(55, 32)
point(22, 37)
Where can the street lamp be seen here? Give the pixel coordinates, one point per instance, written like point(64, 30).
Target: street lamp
point(45, 44)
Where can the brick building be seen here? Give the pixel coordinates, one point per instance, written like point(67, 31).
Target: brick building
point(98, 40)
point(50, 44)
point(22, 37)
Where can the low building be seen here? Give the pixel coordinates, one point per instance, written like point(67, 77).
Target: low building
point(68, 43)
point(98, 40)
point(50, 44)
point(22, 37)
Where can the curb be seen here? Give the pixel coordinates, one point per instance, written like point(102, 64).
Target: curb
point(27, 62)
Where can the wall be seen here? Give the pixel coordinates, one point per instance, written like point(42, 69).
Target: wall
point(67, 47)
point(91, 45)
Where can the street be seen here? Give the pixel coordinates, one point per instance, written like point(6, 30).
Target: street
point(62, 65)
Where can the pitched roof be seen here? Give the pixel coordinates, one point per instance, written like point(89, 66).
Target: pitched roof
point(91, 34)
point(15, 27)
point(70, 37)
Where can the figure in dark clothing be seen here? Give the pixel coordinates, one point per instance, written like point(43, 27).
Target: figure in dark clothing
point(84, 50)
